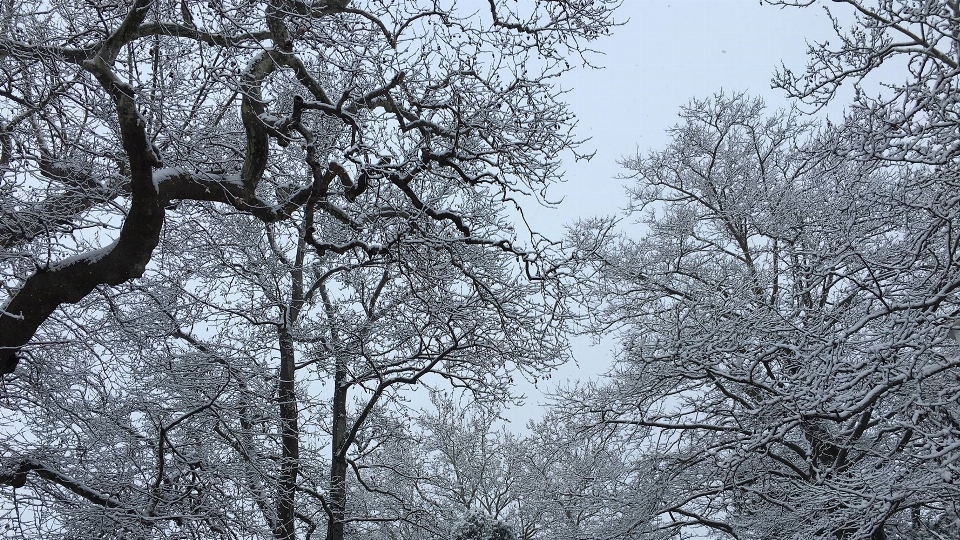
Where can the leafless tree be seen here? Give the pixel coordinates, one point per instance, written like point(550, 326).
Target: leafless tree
point(789, 360)
point(249, 205)
point(113, 113)
point(455, 461)
point(552, 482)
point(248, 378)
point(902, 115)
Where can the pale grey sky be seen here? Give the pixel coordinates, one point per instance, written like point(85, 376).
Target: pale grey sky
point(667, 53)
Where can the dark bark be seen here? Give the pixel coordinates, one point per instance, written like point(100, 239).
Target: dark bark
point(290, 440)
point(48, 288)
point(338, 463)
point(289, 415)
point(16, 476)
point(69, 283)
point(127, 259)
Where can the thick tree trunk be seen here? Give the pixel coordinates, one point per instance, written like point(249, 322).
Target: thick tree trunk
point(290, 439)
point(338, 462)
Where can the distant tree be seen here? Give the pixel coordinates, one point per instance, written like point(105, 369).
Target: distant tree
point(456, 462)
point(577, 483)
point(553, 482)
point(787, 315)
point(479, 526)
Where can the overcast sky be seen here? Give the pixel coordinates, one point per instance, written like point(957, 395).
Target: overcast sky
point(668, 52)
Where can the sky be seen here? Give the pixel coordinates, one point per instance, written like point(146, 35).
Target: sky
point(667, 52)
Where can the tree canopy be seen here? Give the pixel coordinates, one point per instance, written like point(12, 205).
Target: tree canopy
point(120, 118)
point(787, 311)
point(234, 231)
point(237, 236)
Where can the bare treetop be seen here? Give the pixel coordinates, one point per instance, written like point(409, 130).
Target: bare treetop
point(111, 113)
point(913, 115)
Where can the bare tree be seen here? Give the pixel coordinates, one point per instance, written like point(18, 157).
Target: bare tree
point(455, 462)
point(788, 358)
point(247, 375)
point(113, 113)
point(901, 115)
point(555, 481)
point(251, 205)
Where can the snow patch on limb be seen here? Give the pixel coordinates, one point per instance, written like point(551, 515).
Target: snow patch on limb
point(88, 257)
point(167, 174)
point(235, 179)
point(271, 120)
point(162, 175)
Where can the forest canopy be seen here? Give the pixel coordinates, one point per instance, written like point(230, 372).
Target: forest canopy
point(267, 274)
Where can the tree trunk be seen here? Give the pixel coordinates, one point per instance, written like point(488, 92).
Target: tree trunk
point(290, 438)
point(338, 462)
